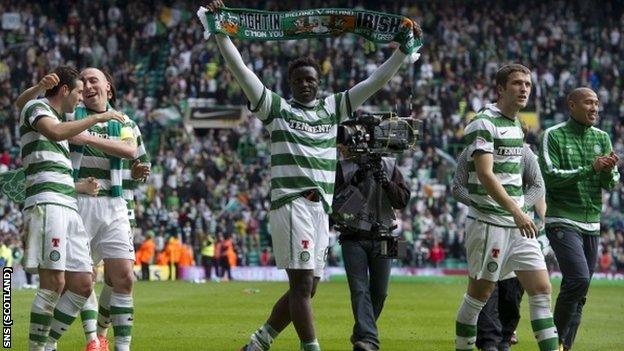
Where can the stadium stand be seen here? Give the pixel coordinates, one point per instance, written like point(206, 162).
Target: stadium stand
point(215, 182)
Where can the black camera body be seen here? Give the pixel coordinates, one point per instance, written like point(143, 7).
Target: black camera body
point(379, 133)
point(368, 138)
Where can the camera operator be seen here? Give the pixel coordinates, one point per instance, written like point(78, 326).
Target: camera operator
point(367, 271)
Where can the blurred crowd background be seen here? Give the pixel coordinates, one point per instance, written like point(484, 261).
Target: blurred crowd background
point(212, 185)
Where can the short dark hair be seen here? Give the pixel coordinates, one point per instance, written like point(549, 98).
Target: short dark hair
point(67, 76)
point(304, 61)
point(504, 72)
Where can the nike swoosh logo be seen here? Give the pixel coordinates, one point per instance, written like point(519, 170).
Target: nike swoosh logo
point(503, 132)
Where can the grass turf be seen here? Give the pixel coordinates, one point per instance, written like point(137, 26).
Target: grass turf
point(419, 315)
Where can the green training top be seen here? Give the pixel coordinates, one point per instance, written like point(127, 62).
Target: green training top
point(573, 188)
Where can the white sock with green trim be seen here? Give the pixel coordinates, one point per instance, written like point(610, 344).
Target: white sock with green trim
point(262, 338)
point(122, 317)
point(89, 315)
point(66, 310)
point(542, 322)
point(466, 323)
point(103, 319)
point(310, 346)
point(41, 312)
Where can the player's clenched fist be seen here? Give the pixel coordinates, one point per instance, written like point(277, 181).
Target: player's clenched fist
point(48, 82)
point(417, 30)
point(214, 6)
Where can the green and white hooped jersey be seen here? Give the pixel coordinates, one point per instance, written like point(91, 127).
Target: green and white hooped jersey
point(46, 163)
point(491, 132)
point(303, 144)
point(128, 183)
point(89, 161)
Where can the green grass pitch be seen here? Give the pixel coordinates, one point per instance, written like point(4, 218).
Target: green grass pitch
point(419, 315)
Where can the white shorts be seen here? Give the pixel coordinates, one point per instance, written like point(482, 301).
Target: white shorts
point(106, 221)
point(300, 235)
point(56, 239)
point(495, 252)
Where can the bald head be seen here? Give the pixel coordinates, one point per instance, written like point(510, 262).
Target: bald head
point(98, 89)
point(583, 105)
point(579, 93)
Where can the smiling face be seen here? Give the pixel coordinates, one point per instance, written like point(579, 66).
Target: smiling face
point(304, 83)
point(583, 104)
point(516, 91)
point(97, 90)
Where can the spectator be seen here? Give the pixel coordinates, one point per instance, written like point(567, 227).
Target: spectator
point(437, 254)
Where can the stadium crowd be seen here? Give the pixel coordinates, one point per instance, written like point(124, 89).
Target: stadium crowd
point(214, 183)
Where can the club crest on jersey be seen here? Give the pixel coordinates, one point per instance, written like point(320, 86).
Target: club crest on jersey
point(492, 266)
point(55, 256)
point(597, 149)
point(300, 125)
point(304, 256)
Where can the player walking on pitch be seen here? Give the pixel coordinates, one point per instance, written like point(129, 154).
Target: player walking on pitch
point(303, 162)
point(500, 237)
point(577, 162)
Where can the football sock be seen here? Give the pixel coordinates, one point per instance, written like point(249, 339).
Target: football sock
point(542, 322)
point(466, 323)
point(89, 317)
point(310, 346)
point(65, 312)
point(122, 317)
point(262, 338)
point(41, 312)
point(103, 321)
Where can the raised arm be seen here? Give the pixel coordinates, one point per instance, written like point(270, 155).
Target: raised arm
point(47, 82)
point(246, 78)
point(366, 88)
